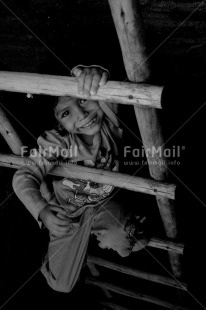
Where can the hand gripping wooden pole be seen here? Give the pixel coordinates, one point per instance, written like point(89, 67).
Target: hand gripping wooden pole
point(55, 85)
point(130, 31)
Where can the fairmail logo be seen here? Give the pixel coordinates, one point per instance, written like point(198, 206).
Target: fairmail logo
point(160, 152)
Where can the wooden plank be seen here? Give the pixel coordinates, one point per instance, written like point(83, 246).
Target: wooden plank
point(135, 295)
point(130, 30)
point(118, 92)
point(167, 245)
point(137, 273)
point(113, 306)
point(9, 133)
point(115, 179)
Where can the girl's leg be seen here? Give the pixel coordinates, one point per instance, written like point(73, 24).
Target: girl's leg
point(66, 255)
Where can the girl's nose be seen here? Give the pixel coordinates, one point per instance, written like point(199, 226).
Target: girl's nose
point(81, 113)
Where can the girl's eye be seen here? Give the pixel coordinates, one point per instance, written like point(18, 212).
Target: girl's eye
point(82, 101)
point(66, 113)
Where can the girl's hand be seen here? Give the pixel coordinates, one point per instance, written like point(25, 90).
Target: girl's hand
point(89, 79)
point(55, 220)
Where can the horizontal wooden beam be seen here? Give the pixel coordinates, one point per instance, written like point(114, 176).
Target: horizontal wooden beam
point(167, 245)
point(112, 306)
point(119, 92)
point(115, 179)
point(137, 273)
point(135, 295)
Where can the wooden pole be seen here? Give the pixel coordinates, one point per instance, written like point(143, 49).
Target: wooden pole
point(115, 179)
point(132, 294)
point(112, 306)
point(118, 92)
point(156, 278)
point(166, 245)
point(130, 31)
point(9, 134)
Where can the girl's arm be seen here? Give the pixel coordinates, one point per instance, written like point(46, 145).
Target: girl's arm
point(28, 178)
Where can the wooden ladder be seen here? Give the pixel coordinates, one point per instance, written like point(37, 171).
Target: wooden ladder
point(146, 100)
point(129, 27)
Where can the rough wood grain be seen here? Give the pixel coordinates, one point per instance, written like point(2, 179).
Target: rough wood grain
point(130, 30)
point(133, 294)
point(118, 92)
point(167, 245)
point(136, 272)
point(98, 175)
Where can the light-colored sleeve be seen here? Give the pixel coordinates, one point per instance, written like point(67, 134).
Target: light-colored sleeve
point(28, 178)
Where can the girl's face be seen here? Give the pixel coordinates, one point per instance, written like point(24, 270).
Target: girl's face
point(79, 116)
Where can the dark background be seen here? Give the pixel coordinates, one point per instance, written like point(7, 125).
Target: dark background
point(32, 32)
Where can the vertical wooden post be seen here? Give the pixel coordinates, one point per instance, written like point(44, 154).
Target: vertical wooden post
point(129, 26)
point(9, 134)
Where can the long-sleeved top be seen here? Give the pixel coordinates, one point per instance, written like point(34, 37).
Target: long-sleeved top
point(73, 195)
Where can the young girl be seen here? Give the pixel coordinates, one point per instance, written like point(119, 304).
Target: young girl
point(74, 208)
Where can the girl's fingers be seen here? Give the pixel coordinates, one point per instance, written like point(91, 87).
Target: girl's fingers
point(58, 210)
point(95, 84)
point(104, 79)
point(62, 229)
point(88, 83)
point(81, 82)
point(89, 80)
point(59, 232)
point(62, 216)
point(77, 71)
point(60, 222)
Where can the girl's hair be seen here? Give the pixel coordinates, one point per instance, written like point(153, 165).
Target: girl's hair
point(48, 107)
point(56, 125)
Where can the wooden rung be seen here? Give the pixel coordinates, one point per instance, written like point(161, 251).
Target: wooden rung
point(167, 245)
point(137, 273)
point(112, 306)
point(118, 92)
point(121, 180)
point(132, 294)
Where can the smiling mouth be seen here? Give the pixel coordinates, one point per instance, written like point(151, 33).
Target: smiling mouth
point(90, 123)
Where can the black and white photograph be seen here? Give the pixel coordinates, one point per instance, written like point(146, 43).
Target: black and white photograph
point(102, 154)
